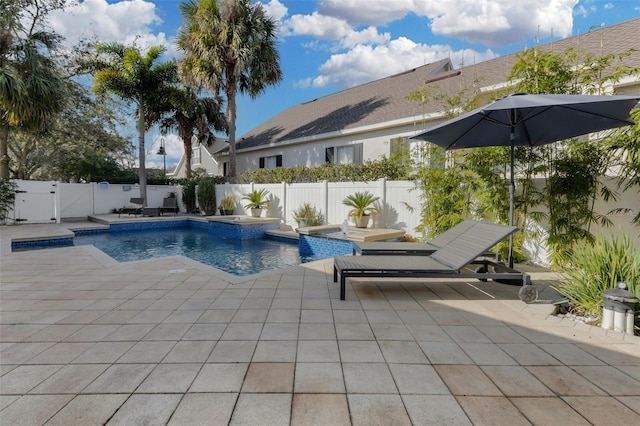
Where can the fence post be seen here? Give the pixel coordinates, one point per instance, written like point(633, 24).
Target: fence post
point(284, 202)
point(383, 199)
point(93, 187)
point(56, 201)
point(325, 197)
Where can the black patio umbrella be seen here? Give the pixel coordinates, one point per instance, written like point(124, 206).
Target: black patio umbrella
point(530, 120)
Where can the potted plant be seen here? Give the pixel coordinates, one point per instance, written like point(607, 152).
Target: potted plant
point(227, 205)
point(307, 215)
point(362, 207)
point(257, 200)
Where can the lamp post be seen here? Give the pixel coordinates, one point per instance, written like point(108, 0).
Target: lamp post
point(162, 151)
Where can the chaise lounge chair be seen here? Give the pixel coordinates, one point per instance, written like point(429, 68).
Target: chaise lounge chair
point(169, 204)
point(455, 259)
point(134, 207)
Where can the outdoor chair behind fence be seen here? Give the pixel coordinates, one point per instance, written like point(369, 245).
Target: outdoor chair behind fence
point(169, 205)
point(134, 207)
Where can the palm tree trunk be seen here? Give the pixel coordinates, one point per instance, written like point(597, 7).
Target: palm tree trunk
point(185, 130)
point(142, 174)
point(187, 158)
point(231, 118)
point(4, 151)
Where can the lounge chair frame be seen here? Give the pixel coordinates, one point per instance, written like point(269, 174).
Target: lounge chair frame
point(344, 270)
point(455, 259)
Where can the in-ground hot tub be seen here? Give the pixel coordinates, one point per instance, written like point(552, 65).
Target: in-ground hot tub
point(330, 240)
point(241, 227)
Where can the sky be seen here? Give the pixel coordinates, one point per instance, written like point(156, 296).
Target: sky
point(326, 46)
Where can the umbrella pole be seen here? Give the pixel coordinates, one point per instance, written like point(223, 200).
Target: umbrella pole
point(512, 190)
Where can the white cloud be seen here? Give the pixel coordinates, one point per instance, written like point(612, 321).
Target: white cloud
point(369, 12)
point(492, 22)
point(580, 11)
point(609, 6)
point(364, 54)
point(307, 82)
point(327, 28)
point(501, 23)
point(365, 63)
point(275, 9)
point(368, 35)
point(318, 26)
point(173, 147)
point(125, 22)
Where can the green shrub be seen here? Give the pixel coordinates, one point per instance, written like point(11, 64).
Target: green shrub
point(228, 203)
point(391, 169)
point(595, 268)
point(207, 196)
point(308, 213)
point(189, 195)
point(7, 198)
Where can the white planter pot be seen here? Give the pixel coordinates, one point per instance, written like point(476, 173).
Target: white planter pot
point(256, 212)
point(361, 222)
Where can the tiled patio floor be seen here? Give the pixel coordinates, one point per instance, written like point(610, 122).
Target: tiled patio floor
point(85, 340)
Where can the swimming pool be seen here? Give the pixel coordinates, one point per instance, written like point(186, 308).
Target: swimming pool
point(237, 257)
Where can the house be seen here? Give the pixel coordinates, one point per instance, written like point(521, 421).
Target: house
point(362, 123)
point(202, 156)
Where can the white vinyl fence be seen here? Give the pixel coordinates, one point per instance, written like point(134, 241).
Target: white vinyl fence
point(52, 202)
point(47, 202)
point(396, 200)
point(36, 202)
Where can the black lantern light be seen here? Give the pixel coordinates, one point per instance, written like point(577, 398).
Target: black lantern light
point(162, 151)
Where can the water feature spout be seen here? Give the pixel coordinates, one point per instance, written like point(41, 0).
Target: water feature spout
point(345, 227)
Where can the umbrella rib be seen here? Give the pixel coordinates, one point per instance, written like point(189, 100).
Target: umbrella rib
point(462, 135)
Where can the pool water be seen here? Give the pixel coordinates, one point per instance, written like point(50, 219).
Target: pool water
point(237, 257)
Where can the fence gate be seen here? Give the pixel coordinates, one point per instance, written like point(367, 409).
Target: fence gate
point(35, 202)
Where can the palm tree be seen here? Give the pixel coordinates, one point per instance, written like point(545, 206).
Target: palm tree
point(31, 88)
point(190, 114)
point(229, 46)
point(126, 73)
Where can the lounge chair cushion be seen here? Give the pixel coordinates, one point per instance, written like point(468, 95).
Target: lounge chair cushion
point(429, 247)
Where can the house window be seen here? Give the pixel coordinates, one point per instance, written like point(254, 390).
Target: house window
point(437, 158)
point(225, 168)
point(400, 149)
point(271, 162)
point(420, 152)
point(347, 154)
point(195, 155)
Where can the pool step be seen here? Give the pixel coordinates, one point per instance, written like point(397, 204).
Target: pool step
point(290, 235)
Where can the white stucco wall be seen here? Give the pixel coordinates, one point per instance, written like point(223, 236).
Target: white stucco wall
point(376, 143)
